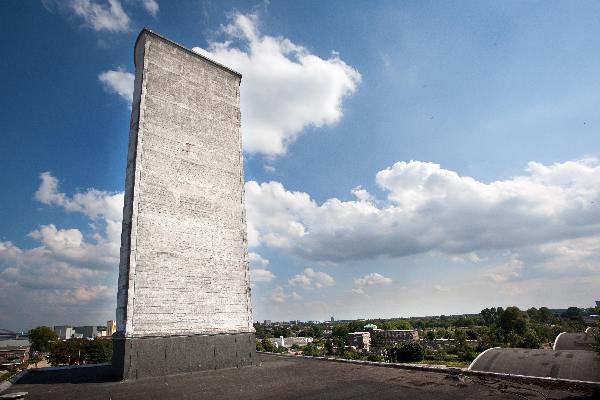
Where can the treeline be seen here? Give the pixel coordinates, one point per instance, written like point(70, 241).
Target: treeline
point(80, 351)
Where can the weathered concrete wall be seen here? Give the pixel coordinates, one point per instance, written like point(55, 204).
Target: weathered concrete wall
point(184, 267)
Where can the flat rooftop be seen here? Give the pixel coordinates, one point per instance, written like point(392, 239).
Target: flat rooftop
point(279, 378)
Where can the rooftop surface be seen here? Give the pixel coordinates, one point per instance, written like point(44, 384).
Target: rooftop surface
point(279, 378)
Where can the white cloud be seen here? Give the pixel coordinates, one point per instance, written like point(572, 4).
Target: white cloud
point(93, 203)
point(151, 6)
point(507, 271)
point(261, 275)
point(312, 279)
point(430, 209)
point(371, 279)
point(285, 88)
point(258, 271)
point(118, 82)
point(68, 274)
point(256, 260)
point(99, 16)
point(441, 288)
point(361, 194)
point(279, 295)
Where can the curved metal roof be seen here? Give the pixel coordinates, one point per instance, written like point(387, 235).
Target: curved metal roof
point(580, 365)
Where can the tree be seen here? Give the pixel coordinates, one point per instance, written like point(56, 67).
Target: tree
point(311, 349)
point(377, 340)
point(98, 351)
point(267, 345)
point(546, 316)
point(259, 346)
point(490, 316)
point(69, 352)
point(340, 330)
point(329, 347)
point(531, 340)
point(41, 338)
point(402, 324)
point(513, 319)
point(339, 343)
point(572, 313)
point(281, 331)
point(406, 352)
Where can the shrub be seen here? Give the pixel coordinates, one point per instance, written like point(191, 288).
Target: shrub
point(375, 357)
point(259, 346)
point(406, 352)
point(267, 345)
point(311, 349)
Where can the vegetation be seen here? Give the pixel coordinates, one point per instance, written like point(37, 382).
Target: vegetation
point(41, 338)
point(449, 340)
point(596, 336)
point(80, 351)
point(406, 352)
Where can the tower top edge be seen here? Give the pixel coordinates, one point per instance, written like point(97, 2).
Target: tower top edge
point(147, 31)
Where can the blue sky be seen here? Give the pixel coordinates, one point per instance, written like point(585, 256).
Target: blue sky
point(406, 159)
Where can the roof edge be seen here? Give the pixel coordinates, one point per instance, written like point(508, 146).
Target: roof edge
point(189, 51)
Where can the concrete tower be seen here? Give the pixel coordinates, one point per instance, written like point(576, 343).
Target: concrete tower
point(184, 296)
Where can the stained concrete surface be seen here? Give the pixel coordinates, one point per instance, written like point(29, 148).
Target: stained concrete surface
point(574, 341)
point(565, 364)
point(281, 378)
point(184, 265)
point(135, 358)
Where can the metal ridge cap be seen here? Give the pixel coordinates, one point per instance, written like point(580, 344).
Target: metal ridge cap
point(158, 35)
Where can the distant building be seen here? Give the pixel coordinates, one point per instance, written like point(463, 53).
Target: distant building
point(332, 319)
point(359, 340)
point(13, 352)
point(370, 327)
point(87, 332)
point(111, 327)
point(267, 322)
point(597, 303)
point(290, 341)
point(64, 332)
point(393, 336)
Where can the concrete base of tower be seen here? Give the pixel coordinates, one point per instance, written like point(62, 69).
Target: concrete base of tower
point(140, 357)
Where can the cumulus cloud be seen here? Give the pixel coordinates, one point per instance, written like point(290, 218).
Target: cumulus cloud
point(279, 295)
point(431, 209)
point(258, 270)
point(285, 88)
point(261, 275)
point(92, 202)
point(312, 279)
point(100, 16)
point(256, 260)
point(119, 82)
point(68, 274)
point(372, 279)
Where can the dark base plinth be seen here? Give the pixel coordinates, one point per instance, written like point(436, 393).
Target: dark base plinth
point(139, 357)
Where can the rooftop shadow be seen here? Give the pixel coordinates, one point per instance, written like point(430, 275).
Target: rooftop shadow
point(84, 374)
